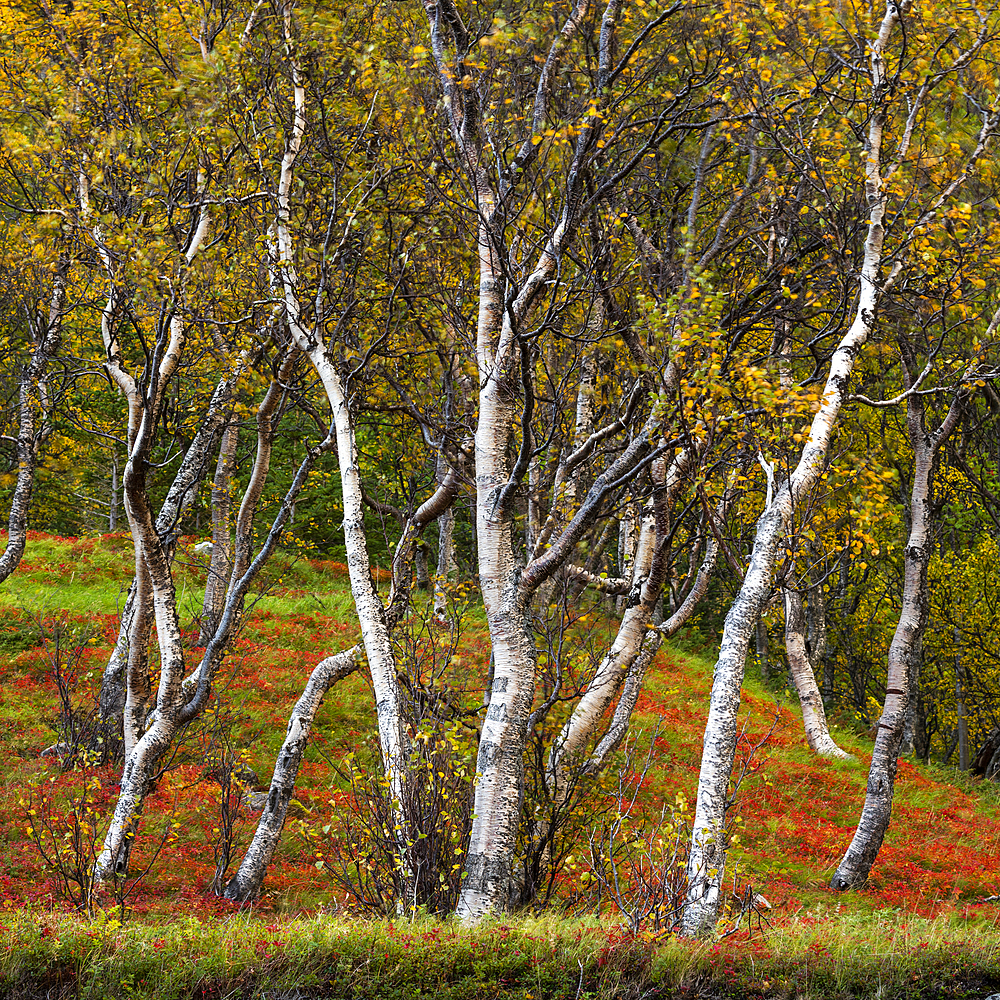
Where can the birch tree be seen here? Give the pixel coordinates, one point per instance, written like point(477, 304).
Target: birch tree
point(513, 293)
point(854, 868)
point(34, 411)
point(810, 700)
point(708, 845)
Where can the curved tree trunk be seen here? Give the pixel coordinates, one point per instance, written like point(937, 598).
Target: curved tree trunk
point(632, 642)
point(629, 643)
point(707, 856)
point(632, 651)
point(245, 884)
point(813, 714)
point(183, 491)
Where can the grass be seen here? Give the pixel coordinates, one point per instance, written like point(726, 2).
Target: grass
point(921, 926)
point(826, 954)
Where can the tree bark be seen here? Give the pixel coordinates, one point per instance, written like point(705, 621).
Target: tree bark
point(632, 651)
point(246, 883)
point(221, 562)
point(813, 715)
point(762, 649)
point(370, 609)
point(707, 856)
point(627, 541)
point(856, 864)
point(31, 433)
point(817, 630)
point(445, 562)
point(181, 495)
point(137, 662)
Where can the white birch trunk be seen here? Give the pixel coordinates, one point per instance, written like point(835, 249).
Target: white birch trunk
point(445, 562)
point(632, 640)
point(371, 611)
point(507, 588)
point(137, 663)
point(566, 753)
point(31, 432)
point(245, 885)
point(627, 541)
point(173, 705)
point(182, 493)
point(150, 557)
point(813, 714)
point(560, 772)
point(501, 743)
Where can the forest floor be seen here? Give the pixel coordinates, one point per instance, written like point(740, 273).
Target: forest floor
point(926, 924)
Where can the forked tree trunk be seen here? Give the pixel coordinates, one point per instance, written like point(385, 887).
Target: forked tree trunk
point(566, 753)
point(506, 372)
point(133, 630)
point(246, 883)
point(813, 715)
point(621, 672)
point(152, 562)
point(175, 706)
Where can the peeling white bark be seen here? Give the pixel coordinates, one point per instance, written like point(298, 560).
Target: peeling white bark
point(604, 686)
point(370, 609)
point(632, 642)
point(133, 630)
